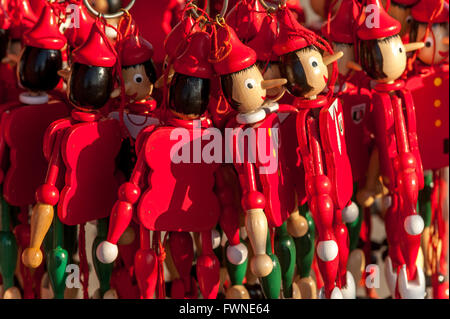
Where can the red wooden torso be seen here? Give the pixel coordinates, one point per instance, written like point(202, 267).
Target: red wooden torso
point(272, 176)
point(89, 151)
point(23, 128)
point(356, 106)
point(430, 91)
point(180, 196)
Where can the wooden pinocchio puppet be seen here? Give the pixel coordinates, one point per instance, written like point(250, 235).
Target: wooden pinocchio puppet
point(400, 10)
point(428, 81)
point(296, 225)
point(356, 104)
point(382, 56)
point(320, 132)
point(82, 149)
point(23, 123)
point(184, 200)
point(267, 192)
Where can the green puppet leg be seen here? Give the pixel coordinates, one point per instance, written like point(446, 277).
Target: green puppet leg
point(57, 260)
point(103, 271)
point(285, 250)
point(305, 253)
point(8, 248)
point(237, 275)
point(271, 284)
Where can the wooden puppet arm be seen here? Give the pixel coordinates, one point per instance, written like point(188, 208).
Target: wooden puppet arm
point(122, 212)
point(253, 203)
point(47, 196)
point(373, 187)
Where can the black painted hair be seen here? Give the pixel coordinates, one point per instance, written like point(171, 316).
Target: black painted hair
point(414, 30)
point(371, 58)
point(90, 86)
point(226, 82)
point(38, 69)
point(401, 5)
point(292, 69)
point(188, 94)
point(114, 6)
point(150, 70)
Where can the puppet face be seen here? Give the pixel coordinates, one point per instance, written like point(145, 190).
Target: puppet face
point(384, 60)
point(403, 15)
point(138, 85)
point(271, 72)
point(247, 90)
point(394, 58)
point(38, 69)
point(305, 71)
point(434, 46)
point(349, 55)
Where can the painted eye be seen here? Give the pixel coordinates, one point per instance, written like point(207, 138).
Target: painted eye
point(313, 61)
point(429, 42)
point(138, 78)
point(400, 49)
point(409, 19)
point(250, 83)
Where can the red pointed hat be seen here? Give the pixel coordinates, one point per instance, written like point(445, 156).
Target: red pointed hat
point(45, 34)
point(194, 60)
point(246, 19)
point(233, 55)
point(134, 49)
point(342, 25)
point(175, 42)
point(388, 26)
point(22, 18)
point(263, 42)
point(437, 10)
point(76, 36)
point(290, 37)
point(95, 51)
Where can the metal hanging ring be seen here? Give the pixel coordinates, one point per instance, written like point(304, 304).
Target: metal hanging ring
point(221, 15)
point(108, 16)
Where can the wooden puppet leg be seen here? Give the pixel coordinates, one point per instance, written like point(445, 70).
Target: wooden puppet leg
point(57, 260)
point(181, 248)
point(103, 271)
point(146, 266)
point(8, 253)
point(304, 247)
point(208, 268)
point(271, 284)
point(285, 250)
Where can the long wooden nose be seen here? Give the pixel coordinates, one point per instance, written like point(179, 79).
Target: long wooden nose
point(331, 58)
point(270, 84)
point(413, 46)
